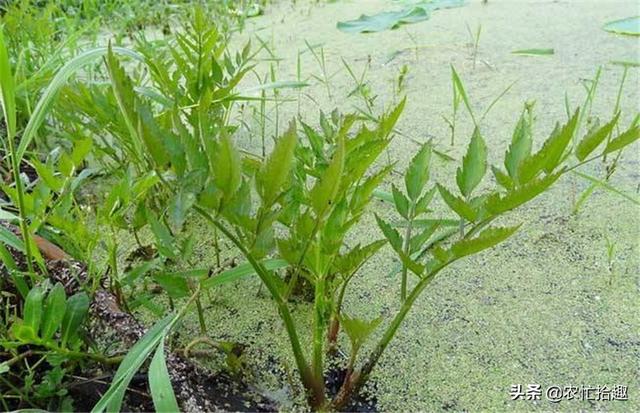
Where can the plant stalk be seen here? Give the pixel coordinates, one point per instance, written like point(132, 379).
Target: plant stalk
point(315, 390)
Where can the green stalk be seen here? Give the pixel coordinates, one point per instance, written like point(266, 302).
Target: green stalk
point(318, 334)
point(203, 325)
point(24, 228)
point(405, 250)
point(353, 383)
point(314, 388)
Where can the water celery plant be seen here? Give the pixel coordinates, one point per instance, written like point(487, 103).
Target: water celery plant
point(318, 188)
point(161, 125)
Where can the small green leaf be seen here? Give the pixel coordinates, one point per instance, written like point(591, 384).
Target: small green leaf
point(326, 189)
point(390, 233)
point(594, 138)
point(418, 240)
point(176, 287)
point(423, 203)
point(487, 239)
point(275, 172)
point(388, 122)
point(164, 399)
point(348, 263)
point(81, 149)
point(54, 310)
point(417, 173)
point(76, 310)
point(497, 204)
point(33, 308)
point(519, 149)
point(548, 157)
point(401, 202)
point(458, 205)
point(9, 238)
point(226, 166)
point(502, 178)
point(47, 174)
point(474, 165)
point(164, 239)
point(358, 330)
point(363, 192)
point(626, 138)
point(412, 265)
point(23, 332)
point(179, 206)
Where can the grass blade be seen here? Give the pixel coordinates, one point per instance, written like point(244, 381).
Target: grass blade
point(112, 399)
point(164, 399)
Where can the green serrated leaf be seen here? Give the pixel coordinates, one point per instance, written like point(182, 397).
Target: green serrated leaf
point(548, 157)
point(625, 138)
point(458, 205)
point(594, 138)
point(226, 163)
point(474, 165)
point(487, 239)
point(519, 149)
point(423, 203)
point(401, 202)
point(417, 173)
point(348, 263)
point(412, 265)
point(363, 192)
point(418, 240)
point(390, 233)
point(497, 204)
point(275, 172)
point(358, 330)
point(323, 195)
point(39, 113)
point(502, 178)
point(388, 122)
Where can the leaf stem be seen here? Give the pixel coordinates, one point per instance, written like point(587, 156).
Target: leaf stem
point(308, 380)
